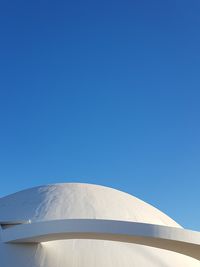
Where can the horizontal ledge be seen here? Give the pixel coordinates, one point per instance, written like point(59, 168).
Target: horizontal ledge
point(11, 223)
point(170, 238)
point(14, 222)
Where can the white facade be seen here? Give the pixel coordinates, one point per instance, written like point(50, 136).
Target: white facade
point(53, 212)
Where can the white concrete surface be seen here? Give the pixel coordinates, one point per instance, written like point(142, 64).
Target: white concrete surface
point(174, 239)
point(54, 205)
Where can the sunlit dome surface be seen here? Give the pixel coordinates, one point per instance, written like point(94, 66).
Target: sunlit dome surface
point(75, 201)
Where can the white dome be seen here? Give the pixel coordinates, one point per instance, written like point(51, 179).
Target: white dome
point(71, 201)
point(75, 201)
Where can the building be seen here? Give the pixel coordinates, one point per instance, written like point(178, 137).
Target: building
point(83, 225)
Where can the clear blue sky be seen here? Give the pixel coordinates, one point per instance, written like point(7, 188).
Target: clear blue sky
point(104, 92)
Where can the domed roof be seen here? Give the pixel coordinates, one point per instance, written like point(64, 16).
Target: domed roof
point(75, 201)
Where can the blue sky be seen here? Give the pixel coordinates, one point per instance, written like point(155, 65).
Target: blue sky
point(103, 92)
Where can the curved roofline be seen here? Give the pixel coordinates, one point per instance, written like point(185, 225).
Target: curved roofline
point(72, 183)
point(174, 239)
point(96, 185)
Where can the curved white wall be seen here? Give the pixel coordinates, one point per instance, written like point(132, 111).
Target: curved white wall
point(64, 201)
